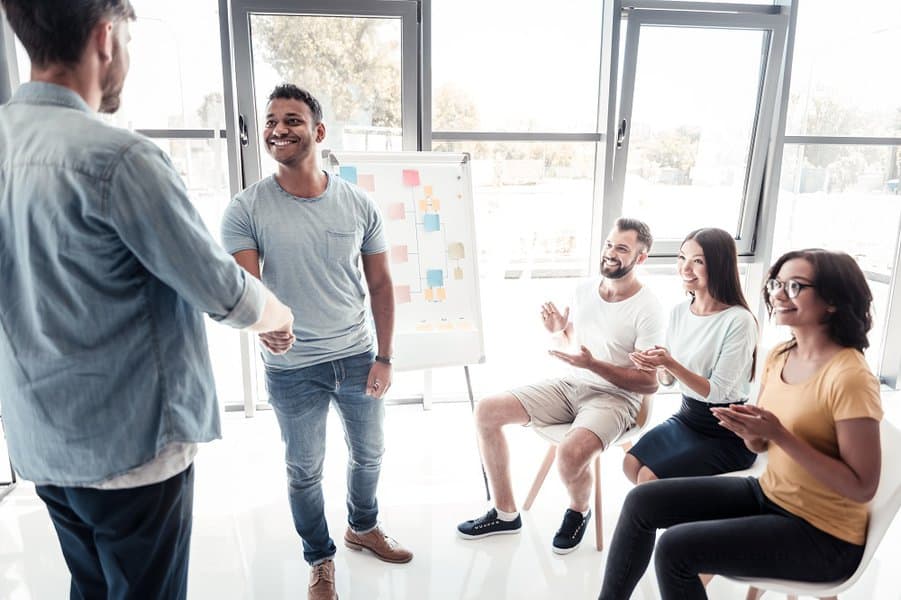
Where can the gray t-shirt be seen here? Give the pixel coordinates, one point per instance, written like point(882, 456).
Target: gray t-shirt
point(310, 258)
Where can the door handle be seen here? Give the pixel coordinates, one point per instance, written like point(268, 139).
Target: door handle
point(621, 134)
point(242, 131)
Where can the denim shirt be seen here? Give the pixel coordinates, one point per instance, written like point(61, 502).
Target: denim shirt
point(105, 271)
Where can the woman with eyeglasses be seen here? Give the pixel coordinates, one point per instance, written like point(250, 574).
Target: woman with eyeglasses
point(711, 354)
point(817, 416)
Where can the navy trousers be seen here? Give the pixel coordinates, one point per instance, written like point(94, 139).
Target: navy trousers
point(125, 544)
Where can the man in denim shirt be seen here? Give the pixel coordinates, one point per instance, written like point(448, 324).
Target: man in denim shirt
point(306, 233)
point(106, 269)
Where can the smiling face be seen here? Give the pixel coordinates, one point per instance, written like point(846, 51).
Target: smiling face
point(807, 309)
point(692, 266)
point(622, 251)
point(289, 133)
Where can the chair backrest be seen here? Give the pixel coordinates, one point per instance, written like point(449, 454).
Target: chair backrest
point(885, 504)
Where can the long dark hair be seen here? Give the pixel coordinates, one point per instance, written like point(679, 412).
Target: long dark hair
point(841, 284)
point(723, 282)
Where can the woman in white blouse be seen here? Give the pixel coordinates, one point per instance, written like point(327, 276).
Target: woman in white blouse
point(711, 354)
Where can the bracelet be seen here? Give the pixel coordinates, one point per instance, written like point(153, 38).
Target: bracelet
point(383, 359)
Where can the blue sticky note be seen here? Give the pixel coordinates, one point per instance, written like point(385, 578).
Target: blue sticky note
point(348, 173)
point(435, 278)
point(432, 222)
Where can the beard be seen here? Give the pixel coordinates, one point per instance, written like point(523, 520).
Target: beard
point(617, 271)
point(113, 81)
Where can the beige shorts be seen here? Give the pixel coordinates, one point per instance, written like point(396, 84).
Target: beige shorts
point(582, 403)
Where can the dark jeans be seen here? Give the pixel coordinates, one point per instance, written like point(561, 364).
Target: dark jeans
point(125, 544)
point(717, 525)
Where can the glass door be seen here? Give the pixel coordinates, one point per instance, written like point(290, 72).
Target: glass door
point(697, 98)
point(358, 58)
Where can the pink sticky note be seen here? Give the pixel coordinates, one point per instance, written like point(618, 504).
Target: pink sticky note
point(396, 211)
point(399, 254)
point(367, 182)
point(411, 177)
point(401, 294)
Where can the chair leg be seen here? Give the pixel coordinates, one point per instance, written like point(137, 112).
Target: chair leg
point(598, 512)
point(540, 476)
point(754, 593)
point(830, 598)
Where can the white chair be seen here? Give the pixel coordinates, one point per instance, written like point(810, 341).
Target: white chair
point(883, 508)
point(554, 434)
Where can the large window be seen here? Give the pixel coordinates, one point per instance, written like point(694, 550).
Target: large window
point(841, 161)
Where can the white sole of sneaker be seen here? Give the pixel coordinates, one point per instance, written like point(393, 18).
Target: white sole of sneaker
point(565, 550)
point(466, 536)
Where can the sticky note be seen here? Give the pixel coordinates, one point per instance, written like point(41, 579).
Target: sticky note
point(367, 182)
point(445, 326)
point(401, 294)
point(423, 205)
point(434, 278)
point(435, 204)
point(399, 254)
point(423, 326)
point(348, 173)
point(396, 211)
point(458, 272)
point(411, 177)
point(456, 251)
point(440, 294)
point(427, 190)
point(429, 295)
point(431, 222)
point(464, 325)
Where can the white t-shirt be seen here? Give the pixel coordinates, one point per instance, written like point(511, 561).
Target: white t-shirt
point(611, 330)
point(717, 347)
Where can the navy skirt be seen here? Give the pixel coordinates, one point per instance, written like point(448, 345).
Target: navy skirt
point(692, 444)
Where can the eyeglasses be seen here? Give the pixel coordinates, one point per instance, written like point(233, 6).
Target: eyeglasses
point(792, 287)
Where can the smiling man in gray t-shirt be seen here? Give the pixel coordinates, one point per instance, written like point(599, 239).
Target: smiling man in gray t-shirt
point(305, 233)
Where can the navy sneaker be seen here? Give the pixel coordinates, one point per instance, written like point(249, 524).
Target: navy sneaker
point(488, 524)
point(569, 536)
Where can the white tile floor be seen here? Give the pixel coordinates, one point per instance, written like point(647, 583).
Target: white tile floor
point(245, 547)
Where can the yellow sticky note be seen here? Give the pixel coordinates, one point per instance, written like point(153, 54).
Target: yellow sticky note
point(458, 272)
point(423, 326)
point(445, 326)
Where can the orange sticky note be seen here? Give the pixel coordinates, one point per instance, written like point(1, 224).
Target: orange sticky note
point(423, 326)
point(445, 326)
point(401, 294)
point(458, 272)
point(423, 205)
point(399, 254)
point(367, 182)
point(440, 294)
point(396, 211)
point(411, 177)
point(429, 295)
point(427, 189)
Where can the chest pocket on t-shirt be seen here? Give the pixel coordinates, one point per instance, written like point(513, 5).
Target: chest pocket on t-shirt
point(341, 246)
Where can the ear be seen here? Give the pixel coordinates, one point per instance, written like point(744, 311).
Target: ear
point(642, 256)
point(320, 132)
point(831, 309)
point(102, 39)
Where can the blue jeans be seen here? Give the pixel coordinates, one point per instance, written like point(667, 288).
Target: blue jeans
point(301, 399)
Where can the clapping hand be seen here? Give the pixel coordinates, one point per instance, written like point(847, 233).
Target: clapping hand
point(749, 422)
point(652, 359)
point(582, 359)
point(553, 319)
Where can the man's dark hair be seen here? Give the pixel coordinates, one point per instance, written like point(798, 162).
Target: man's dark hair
point(289, 91)
point(641, 229)
point(57, 31)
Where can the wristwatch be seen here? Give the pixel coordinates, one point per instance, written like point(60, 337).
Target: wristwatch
point(383, 359)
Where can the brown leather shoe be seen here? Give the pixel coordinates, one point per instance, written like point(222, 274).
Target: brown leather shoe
point(322, 582)
point(378, 543)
